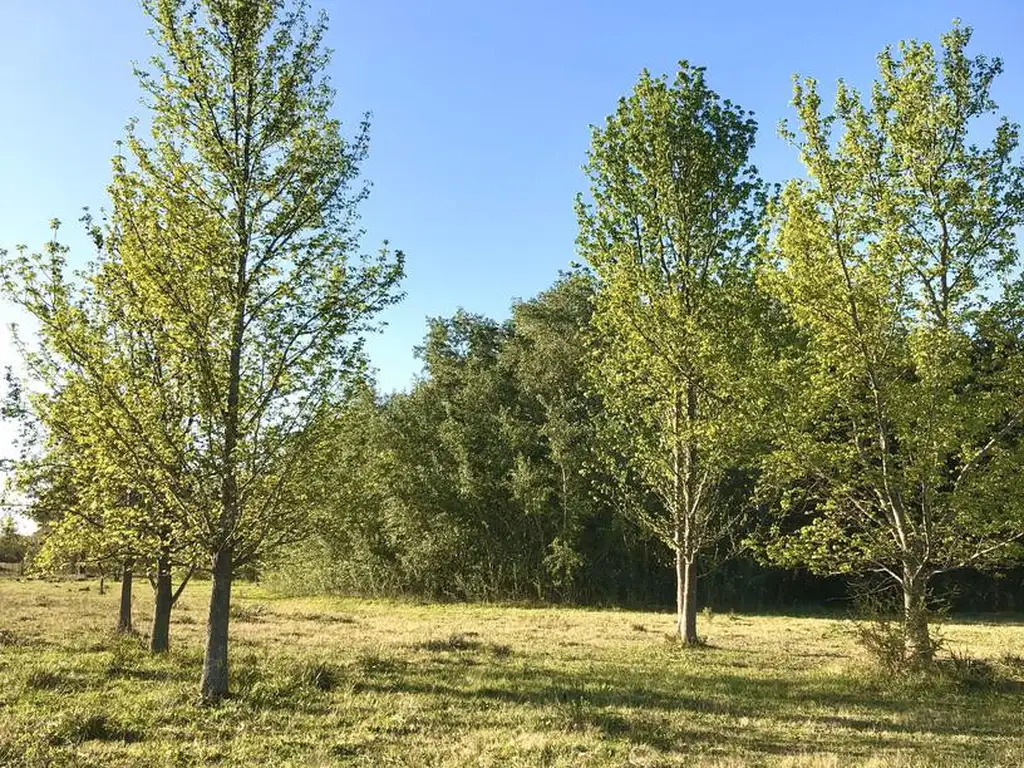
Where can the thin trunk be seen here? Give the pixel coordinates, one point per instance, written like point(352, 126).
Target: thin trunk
point(680, 591)
point(160, 636)
point(124, 616)
point(215, 664)
point(103, 584)
point(915, 617)
point(688, 603)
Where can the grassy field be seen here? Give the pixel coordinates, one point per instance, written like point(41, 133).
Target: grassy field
point(323, 681)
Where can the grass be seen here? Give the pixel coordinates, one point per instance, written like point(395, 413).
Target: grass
point(321, 682)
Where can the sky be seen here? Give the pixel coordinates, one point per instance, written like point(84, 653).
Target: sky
point(481, 115)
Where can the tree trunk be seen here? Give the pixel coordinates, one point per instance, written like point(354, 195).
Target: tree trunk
point(915, 617)
point(686, 599)
point(215, 664)
point(160, 636)
point(124, 616)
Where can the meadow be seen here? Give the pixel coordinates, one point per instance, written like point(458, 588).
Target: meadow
point(328, 681)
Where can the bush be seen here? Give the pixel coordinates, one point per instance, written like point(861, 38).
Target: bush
point(879, 630)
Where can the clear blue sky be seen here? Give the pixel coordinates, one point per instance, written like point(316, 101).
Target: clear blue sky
point(481, 114)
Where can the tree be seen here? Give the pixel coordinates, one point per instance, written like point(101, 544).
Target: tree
point(903, 430)
point(94, 510)
point(228, 282)
point(592, 553)
point(12, 544)
point(669, 234)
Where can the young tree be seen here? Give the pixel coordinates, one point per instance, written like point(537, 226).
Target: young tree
point(96, 507)
point(228, 283)
point(669, 234)
point(236, 227)
point(904, 422)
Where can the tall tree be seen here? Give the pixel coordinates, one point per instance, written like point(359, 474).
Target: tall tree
point(669, 233)
point(230, 255)
point(904, 422)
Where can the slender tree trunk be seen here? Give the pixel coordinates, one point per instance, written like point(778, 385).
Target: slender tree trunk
point(915, 616)
point(160, 636)
point(680, 591)
point(124, 616)
point(688, 602)
point(215, 665)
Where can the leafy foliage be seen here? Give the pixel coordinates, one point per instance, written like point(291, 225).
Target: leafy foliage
point(902, 432)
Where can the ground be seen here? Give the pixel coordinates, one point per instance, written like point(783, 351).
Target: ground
point(326, 681)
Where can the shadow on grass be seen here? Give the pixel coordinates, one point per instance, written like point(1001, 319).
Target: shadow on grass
point(641, 712)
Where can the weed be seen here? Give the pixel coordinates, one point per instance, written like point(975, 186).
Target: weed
point(965, 671)
point(377, 661)
point(325, 618)
point(11, 639)
point(75, 727)
point(501, 651)
point(573, 709)
point(319, 675)
point(1014, 663)
point(44, 680)
point(455, 642)
point(252, 613)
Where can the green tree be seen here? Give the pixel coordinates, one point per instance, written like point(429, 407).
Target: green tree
point(902, 433)
point(670, 234)
point(13, 545)
point(233, 299)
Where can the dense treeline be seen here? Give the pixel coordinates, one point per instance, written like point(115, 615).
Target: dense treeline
point(484, 482)
point(740, 383)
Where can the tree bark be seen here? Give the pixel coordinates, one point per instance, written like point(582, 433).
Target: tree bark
point(160, 636)
point(124, 616)
point(915, 617)
point(686, 598)
point(214, 685)
point(680, 589)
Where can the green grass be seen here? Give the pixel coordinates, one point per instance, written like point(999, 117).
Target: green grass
point(322, 681)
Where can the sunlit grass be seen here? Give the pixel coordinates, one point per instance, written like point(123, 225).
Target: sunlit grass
point(348, 682)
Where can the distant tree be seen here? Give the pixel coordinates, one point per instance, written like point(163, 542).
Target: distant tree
point(13, 545)
point(903, 432)
point(228, 284)
point(669, 233)
point(94, 508)
point(592, 552)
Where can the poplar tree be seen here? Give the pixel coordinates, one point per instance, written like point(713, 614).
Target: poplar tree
point(669, 233)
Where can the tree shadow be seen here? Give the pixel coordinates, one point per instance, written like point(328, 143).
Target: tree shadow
point(641, 713)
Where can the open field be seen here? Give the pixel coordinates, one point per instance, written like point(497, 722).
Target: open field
point(348, 682)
